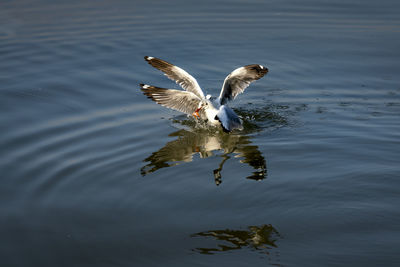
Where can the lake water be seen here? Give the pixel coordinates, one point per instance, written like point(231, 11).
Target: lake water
point(95, 174)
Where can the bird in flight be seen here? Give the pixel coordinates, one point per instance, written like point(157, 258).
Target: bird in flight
point(192, 100)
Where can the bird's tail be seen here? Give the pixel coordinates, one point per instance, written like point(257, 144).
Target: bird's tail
point(228, 119)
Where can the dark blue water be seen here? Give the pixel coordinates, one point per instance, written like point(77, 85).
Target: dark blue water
point(93, 173)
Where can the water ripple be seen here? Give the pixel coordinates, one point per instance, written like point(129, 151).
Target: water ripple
point(78, 146)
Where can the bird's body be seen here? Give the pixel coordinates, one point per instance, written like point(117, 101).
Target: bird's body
point(210, 112)
point(214, 111)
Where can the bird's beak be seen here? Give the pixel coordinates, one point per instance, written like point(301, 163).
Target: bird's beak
point(196, 113)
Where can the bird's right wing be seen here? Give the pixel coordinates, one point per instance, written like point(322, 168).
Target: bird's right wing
point(182, 101)
point(181, 77)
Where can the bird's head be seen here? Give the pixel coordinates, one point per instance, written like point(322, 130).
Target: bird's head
point(202, 106)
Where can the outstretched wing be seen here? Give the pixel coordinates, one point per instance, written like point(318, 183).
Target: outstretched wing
point(177, 74)
point(239, 79)
point(182, 101)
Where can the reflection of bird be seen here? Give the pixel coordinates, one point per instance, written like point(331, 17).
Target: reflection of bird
point(213, 110)
point(256, 237)
point(205, 143)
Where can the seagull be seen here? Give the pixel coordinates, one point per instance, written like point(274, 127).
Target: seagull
point(212, 110)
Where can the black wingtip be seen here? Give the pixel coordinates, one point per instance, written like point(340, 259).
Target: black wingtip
point(261, 70)
point(265, 70)
point(144, 87)
point(148, 59)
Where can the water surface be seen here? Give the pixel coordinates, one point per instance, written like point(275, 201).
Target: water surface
point(93, 173)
